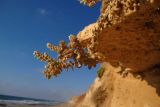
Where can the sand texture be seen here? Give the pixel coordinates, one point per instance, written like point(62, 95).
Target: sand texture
point(127, 33)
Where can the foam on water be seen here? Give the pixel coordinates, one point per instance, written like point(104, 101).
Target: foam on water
point(10, 100)
point(28, 102)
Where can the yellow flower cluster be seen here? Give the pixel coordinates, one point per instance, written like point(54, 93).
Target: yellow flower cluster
point(69, 56)
point(89, 3)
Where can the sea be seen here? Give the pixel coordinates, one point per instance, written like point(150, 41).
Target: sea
point(15, 100)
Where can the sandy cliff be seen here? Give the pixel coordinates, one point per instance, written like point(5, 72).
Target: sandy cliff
point(127, 34)
point(115, 90)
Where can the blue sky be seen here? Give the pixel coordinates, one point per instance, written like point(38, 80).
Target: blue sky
point(27, 25)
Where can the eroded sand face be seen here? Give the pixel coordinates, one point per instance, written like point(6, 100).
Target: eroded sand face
point(115, 90)
point(133, 39)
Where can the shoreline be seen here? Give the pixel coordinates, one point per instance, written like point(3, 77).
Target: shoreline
point(34, 105)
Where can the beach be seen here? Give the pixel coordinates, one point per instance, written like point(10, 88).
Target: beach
point(25, 105)
point(15, 101)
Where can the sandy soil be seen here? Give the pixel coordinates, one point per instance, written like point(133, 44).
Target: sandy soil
point(115, 89)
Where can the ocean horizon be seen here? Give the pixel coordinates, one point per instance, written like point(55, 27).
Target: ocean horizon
point(17, 100)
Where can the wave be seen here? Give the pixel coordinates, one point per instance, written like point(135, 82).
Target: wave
point(26, 102)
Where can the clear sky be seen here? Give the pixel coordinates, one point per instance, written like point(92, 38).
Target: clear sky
point(27, 25)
